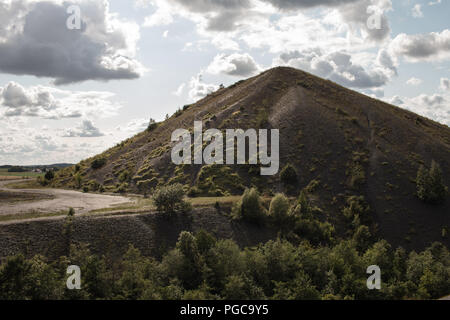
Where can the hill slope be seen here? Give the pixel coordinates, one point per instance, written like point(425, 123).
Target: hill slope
point(346, 142)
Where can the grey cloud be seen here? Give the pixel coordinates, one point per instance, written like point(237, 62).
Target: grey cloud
point(421, 47)
point(199, 89)
point(222, 15)
point(434, 106)
point(85, 130)
point(45, 47)
point(432, 100)
point(385, 60)
point(14, 96)
point(396, 100)
point(224, 21)
point(236, 64)
point(50, 103)
point(134, 126)
point(336, 66)
point(444, 84)
point(213, 5)
point(379, 93)
point(301, 4)
point(356, 14)
point(46, 143)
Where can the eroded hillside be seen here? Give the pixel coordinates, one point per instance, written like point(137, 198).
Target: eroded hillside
point(341, 142)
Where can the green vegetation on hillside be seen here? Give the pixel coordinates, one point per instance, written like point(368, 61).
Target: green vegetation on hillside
point(170, 199)
point(202, 267)
point(430, 185)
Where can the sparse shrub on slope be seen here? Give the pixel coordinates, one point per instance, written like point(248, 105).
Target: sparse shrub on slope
point(430, 184)
point(152, 125)
point(190, 263)
point(439, 190)
point(124, 176)
point(78, 180)
point(357, 209)
point(288, 175)
point(279, 209)
point(49, 175)
point(217, 180)
point(305, 219)
point(249, 208)
point(423, 183)
point(362, 238)
point(302, 207)
point(170, 199)
point(146, 185)
point(98, 163)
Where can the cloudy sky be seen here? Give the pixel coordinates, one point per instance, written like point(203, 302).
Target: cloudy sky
point(76, 77)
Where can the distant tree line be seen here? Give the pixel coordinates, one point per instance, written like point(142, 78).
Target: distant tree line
point(18, 169)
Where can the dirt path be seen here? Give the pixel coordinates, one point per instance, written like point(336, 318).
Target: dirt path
point(60, 200)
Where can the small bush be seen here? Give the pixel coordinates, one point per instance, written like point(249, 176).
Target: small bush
point(124, 176)
point(205, 241)
point(302, 207)
point(146, 185)
point(170, 199)
point(262, 118)
point(98, 163)
point(249, 207)
point(78, 180)
point(279, 208)
point(93, 185)
point(288, 175)
point(42, 181)
point(430, 185)
point(71, 212)
point(122, 188)
point(357, 211)
point(152, 125)
point(312, 186)
point(50, 175)
point(357, 175)
point(193, 192)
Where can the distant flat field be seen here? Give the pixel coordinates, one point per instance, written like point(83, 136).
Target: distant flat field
point(4, 178)
point(4, 173)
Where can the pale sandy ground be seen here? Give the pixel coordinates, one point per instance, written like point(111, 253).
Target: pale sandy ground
point(62, 200)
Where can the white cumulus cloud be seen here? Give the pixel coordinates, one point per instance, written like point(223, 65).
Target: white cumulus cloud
point(236, 64)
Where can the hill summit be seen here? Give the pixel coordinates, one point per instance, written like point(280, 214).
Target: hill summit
point(341, 144)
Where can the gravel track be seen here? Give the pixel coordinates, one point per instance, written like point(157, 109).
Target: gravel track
point(60, 200)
